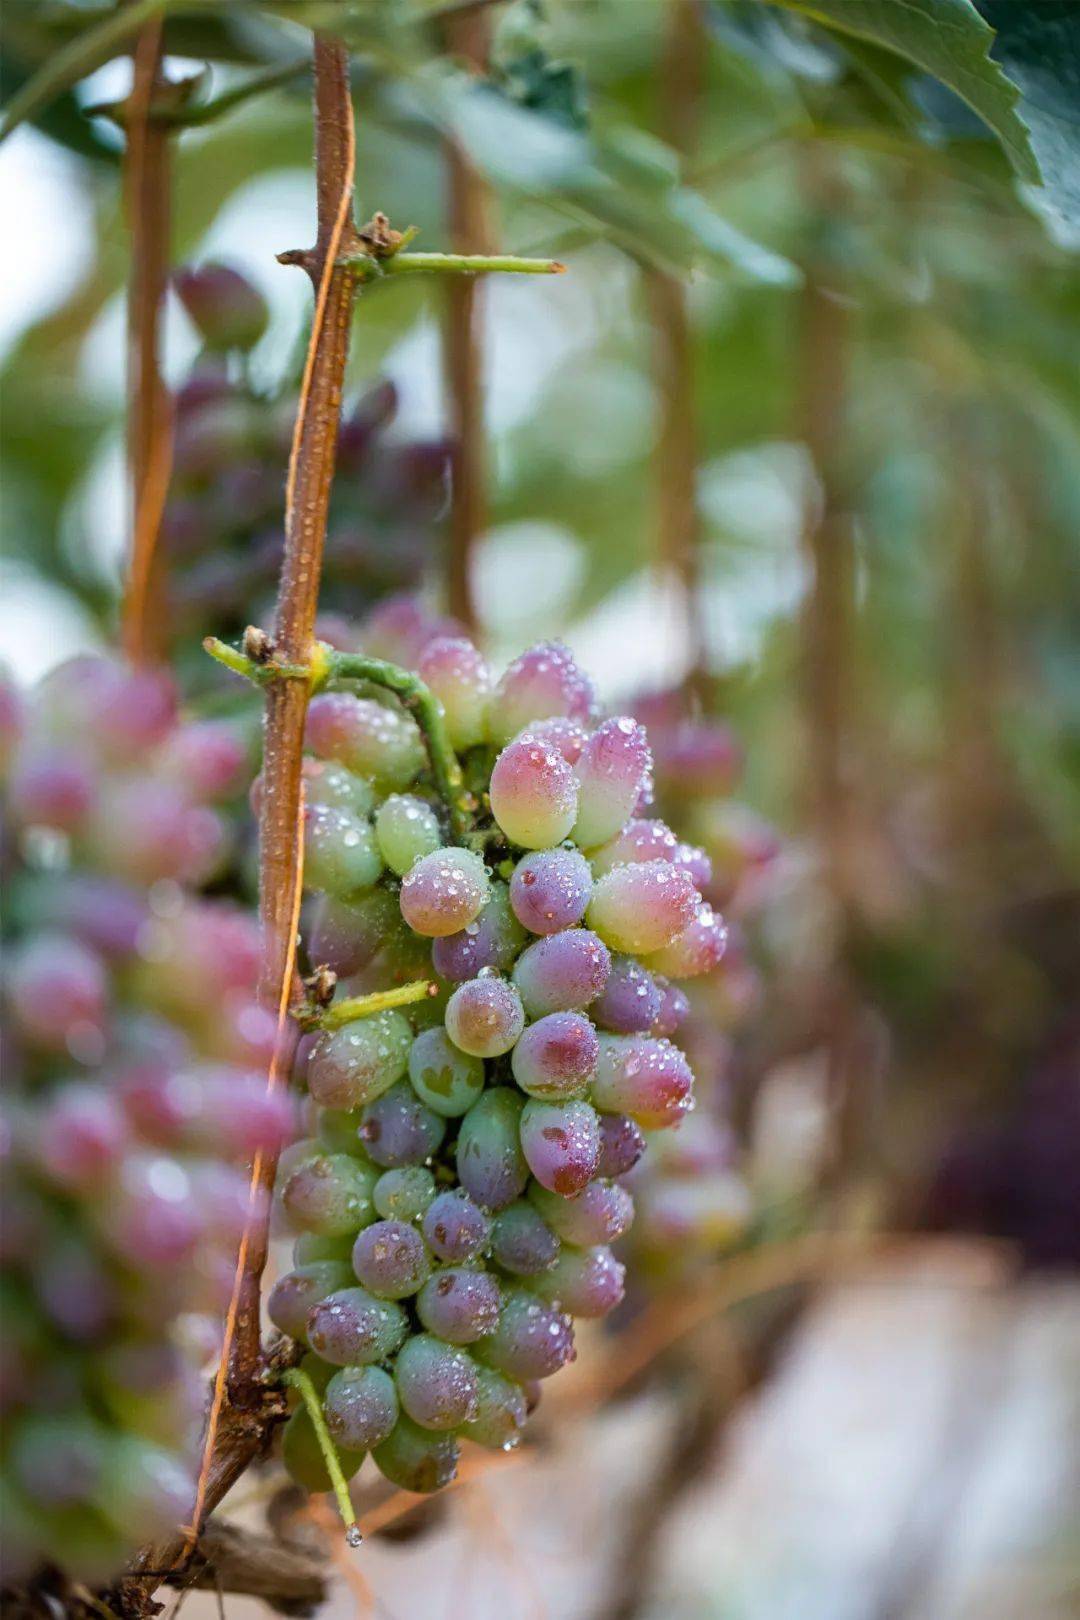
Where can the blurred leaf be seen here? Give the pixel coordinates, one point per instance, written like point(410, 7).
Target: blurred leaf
point(1038, 45)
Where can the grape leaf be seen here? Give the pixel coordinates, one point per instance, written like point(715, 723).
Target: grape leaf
point(946, 38)
point(1038, 45)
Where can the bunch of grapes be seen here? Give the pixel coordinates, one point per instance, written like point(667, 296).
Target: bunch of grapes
point(221, 531)
point(456, 1204)
point(134, 1092)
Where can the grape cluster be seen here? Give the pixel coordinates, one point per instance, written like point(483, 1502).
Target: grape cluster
point(221, 531)
point(134, 1090)
point(456, 1204)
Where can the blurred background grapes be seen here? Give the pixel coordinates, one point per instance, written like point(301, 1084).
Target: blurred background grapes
point(791, 459)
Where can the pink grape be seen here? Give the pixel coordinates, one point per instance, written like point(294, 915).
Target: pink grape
point(492, 940)
point(584, 1282)
point(459, 1305)
point(366, 737)
point(207, 758)
point(622, 1143)
point(390, 1259)
point(699, 758)
point(566, 735)
point(556, 1056)
point(141, 830)
point(532, 1340)
point(454, 1227)
point(542, 683)
point(82, 1135)
point(674, 1006)
point(346, 935)
point(443, 892)
point(694, 860)
point(611, 771)
point(561, 1144)
point(697, 949)
point(641, 908)
point(562, 973)
point(151, 1217)
point(534, 793)
point(436, 1382)
point(485, 1017)
point(121, 712)
point(646, 1078)
point(355, 1064)
point(550, 889)
point(639, 840)
point(631, 1000)
point(400, 628)
point(601, 1213)
point(52, 788)
point(460, 679)
point(57, 991)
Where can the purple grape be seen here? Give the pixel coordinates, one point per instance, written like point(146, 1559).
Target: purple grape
point(490, 1163)
point(534, 793)
point(443, 1076)
point(501, 1410)
point(641, 908)
point(52, 788)
point(631, 1001)
point(295, 1294)
point(57, 992)
point(674, 1006)
point(484, 1016)
point(493, 940)
point(366, 737)
point(361, 1407)
point(416, 1459)
point(697, 949)
point(229, 312)
point(82, 1135)
point(543, 682)
point(329, 1194)
point(532, 1340)
point(405, 1194)
point(398, 1130)
point(622, 1142)
point(346, 936)
point(455, 1228)
point(521, 1240)
point(599, 1214)
point(550, 890)
point(360, 1061)
point(613, 767)
point(444, 892)
point(648, 1079)
point(561, 1144)
point(584, 1282)
point(461, 680)
point(556, 1056)
point(390, 1258)
point(436, 1382)
point(562, 973)
point(351, 1328)
point(152, 1218)
point(459, 1305)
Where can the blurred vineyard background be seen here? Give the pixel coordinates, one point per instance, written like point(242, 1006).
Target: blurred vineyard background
point(793, 449)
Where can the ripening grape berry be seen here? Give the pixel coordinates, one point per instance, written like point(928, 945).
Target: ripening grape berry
point(338, 1131)
point(459, 1305)
point(501, 1410)
point(613, 767)
point(367, 737)
point(648, 1079)
point(361, 1407)
point(561, 1144)
point(82, 1135)
point(697, 949)
point(567, 736)
point(229, 312)
point(601, 1213)
point(51, 788)
point(391, 1259)
point(443, 1076)
point(490, 1163)
point(351, 1328)
point(208, 758)
point(444, 892)
point(699, 758)
point(57, 992)
point(631, 1001)
point(341, 853)
point(303, 1458)
point(622, 1142)
point(493, 940)
point(436, 1382)
point(454, 1227)
point(417, 1459)
point(556, 1056)
point(460, 679)
point(643, 839)
point(521, 1240)
point(584, 1282)
point(694, 860)
point(360, 1061)
point(485, 1017)
point(562, 973)
point(295, 1294)
point(328, 783)
point(674, 1006)
point(550, 889)
point(346, 935)
point(406, 828)
point(532, 1340)
point(544, 682)
point(641, 908)
point(405, 1194)
point(329, 1194)
point(534, 793)
point(398, 1130)
point(311, 1247)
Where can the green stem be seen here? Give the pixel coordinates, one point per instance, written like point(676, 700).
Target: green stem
point(453, 264)
point(350, 1008)
point(432, 722)
point(261, 674)
point(300, 1381)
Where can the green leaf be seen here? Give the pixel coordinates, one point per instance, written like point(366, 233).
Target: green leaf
point(948, 39)
point(1038, 45)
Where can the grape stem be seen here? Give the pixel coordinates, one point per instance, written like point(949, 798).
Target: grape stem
point(350, 1008)
point(299, 1380)
point(369, 268)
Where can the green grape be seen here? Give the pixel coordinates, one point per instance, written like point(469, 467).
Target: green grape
point(406, 828)
point(445, 1078)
